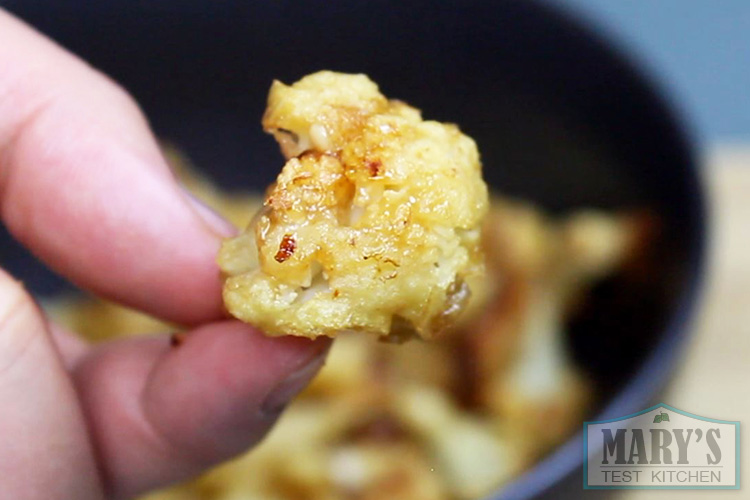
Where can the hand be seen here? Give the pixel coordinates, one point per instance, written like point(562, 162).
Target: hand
point(84, 186)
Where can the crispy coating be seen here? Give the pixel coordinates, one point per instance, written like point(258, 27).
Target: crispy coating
point(372, 225)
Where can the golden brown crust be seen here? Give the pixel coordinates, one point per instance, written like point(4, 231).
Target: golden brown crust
point(372, 225)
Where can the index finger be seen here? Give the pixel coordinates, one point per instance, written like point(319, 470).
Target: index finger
point(84, 185)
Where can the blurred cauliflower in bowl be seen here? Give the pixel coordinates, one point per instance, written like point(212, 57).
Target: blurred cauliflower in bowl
point(450, 419)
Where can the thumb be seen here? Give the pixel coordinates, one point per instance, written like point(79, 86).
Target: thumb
point(45, 452)
point(161, 412)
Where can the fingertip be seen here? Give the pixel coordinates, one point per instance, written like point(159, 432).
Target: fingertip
point(85, 186)
point(126, 232)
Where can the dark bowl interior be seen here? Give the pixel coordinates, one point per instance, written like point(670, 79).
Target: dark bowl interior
point(561, 118)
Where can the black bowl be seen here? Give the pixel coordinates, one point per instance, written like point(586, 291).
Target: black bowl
point(561, 118)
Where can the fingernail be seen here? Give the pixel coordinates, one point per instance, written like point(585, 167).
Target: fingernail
point(213, 220)
point(285, 391)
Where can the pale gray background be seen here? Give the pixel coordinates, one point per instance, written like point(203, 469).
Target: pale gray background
point(699, 50)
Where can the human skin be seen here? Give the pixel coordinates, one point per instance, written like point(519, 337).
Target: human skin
point(84, 186)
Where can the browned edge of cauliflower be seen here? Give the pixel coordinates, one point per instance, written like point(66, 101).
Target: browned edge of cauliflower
point(372, 225)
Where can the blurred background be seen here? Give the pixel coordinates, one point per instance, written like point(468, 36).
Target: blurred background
point(699, 50)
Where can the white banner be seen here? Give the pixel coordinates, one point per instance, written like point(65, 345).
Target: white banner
point(662, 448)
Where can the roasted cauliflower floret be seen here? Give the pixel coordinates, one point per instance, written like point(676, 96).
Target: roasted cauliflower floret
point(372, 225)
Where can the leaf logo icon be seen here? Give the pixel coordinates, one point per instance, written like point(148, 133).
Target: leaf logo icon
point(663, 417)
